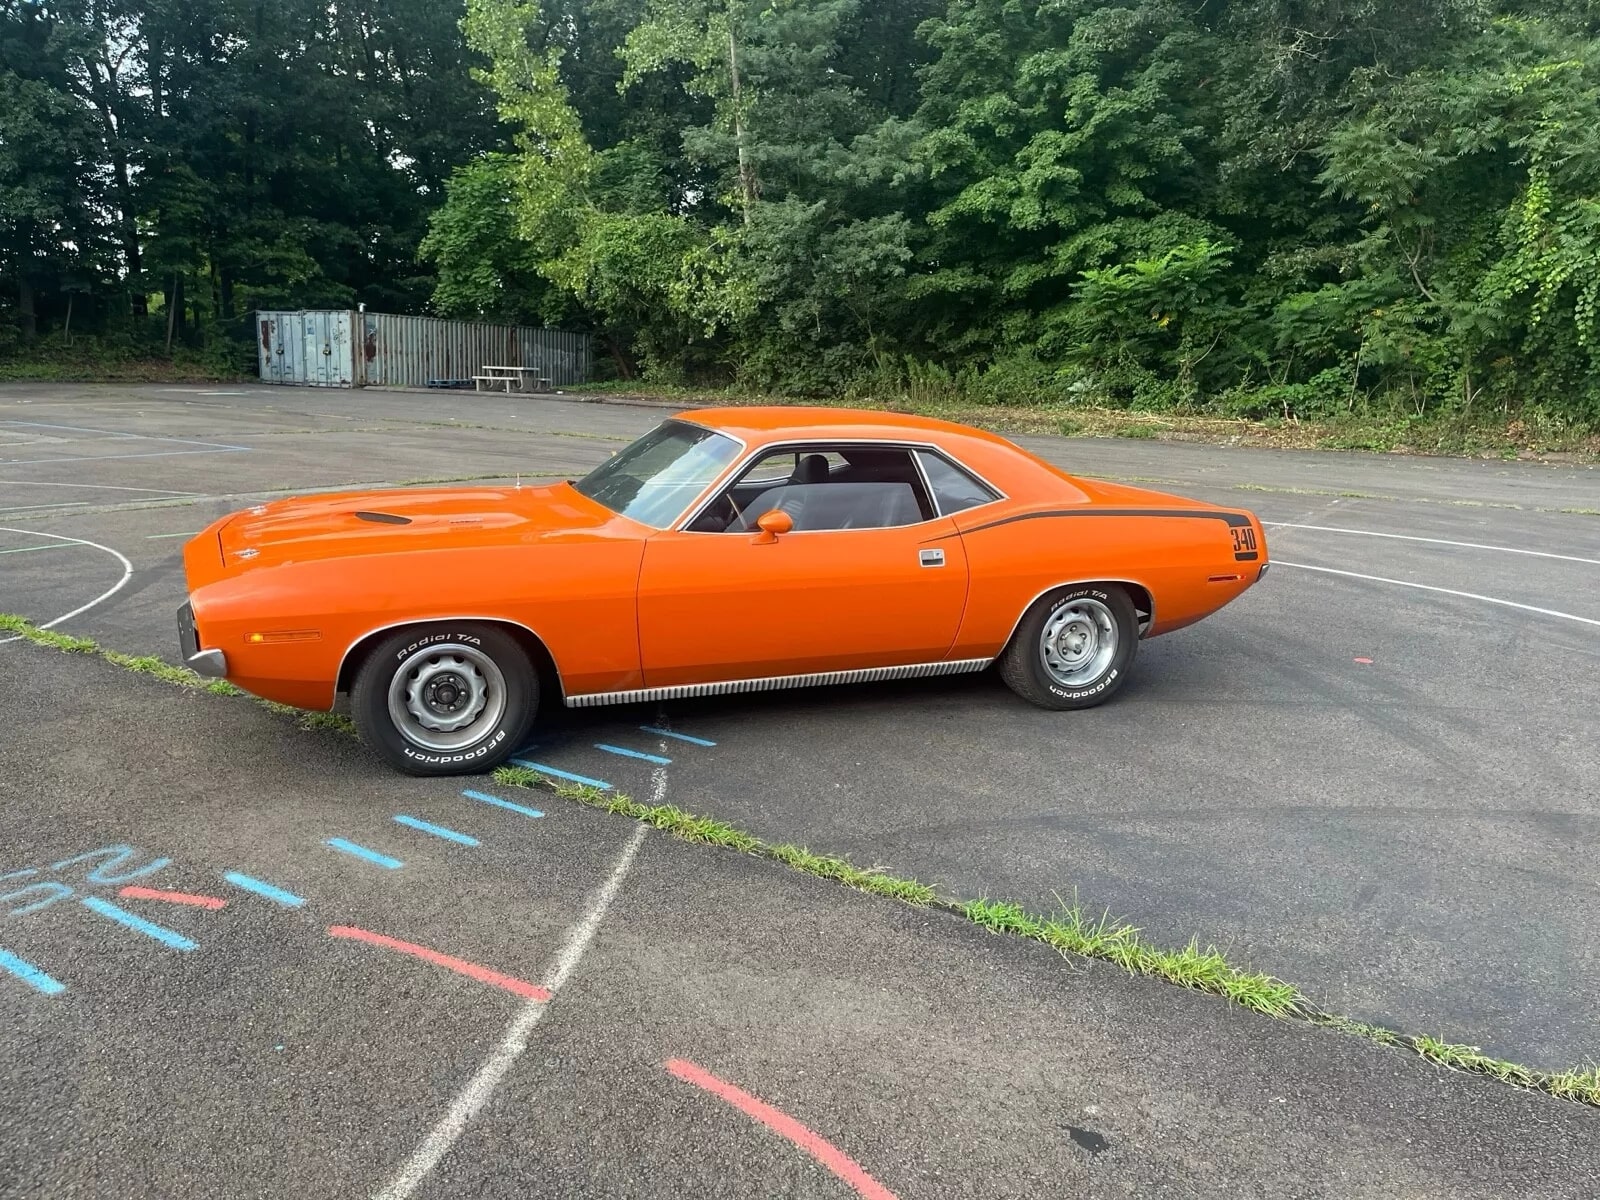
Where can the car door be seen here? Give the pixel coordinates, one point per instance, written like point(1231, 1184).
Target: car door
point(731, 605)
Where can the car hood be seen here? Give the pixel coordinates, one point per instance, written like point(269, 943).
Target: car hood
point(345, 524)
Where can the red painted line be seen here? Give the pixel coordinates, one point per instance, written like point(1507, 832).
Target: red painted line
point(825, 1152)
point(518, 987)
point(144, 893)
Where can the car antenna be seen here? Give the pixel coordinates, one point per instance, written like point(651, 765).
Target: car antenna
point(519, 481)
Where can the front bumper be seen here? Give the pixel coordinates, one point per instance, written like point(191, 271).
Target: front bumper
point(213, 664)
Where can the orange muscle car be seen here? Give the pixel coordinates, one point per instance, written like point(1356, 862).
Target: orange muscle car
point(726, 550)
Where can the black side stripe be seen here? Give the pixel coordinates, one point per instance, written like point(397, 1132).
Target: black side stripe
point(1231, 519)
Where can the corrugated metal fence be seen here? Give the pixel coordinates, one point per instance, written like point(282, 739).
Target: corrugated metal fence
point(350, 349)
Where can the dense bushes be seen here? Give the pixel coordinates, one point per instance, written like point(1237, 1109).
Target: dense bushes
point(1291, 208)
point(1257, 207)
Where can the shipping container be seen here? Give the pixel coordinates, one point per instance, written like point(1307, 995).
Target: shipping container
point(337, 348)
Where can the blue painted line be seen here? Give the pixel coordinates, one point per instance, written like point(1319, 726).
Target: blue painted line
point(682, 737)
point(450, 835)
point(626, 753)
point(287, 899)
point(150, 929)
point(499, 803)
point(30, 974)
point(533, 766)
point(371, 856)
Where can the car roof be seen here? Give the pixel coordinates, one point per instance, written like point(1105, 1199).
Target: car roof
point(776, 423)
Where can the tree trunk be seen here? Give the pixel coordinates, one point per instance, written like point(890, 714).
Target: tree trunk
point(27, 318)
point(172, 312)
point(624, 367)
point(747, 175)
point(66, 328)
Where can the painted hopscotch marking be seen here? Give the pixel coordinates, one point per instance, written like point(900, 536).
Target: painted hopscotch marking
point(845, 1168)
point(517, 987)
point(276, 894)
point(640, 754)
point(682, 737)
point(499, 803)
point(150, 929)
point(533, 766)
point(361, 852)
point(144, 893)
point(30, 974)
point(450, 835)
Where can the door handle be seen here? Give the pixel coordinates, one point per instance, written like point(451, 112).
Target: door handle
point(931, 558)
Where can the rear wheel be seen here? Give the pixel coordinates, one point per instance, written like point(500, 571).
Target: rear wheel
point(1073, 648)
point(445, 699)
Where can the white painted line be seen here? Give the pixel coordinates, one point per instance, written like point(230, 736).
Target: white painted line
point(100, 487)
point(127, 574)
point(471, 1098)
point(122, 433)
point(33, 462)
point(1406, 537)
point(150, 537)
point(1547, 612)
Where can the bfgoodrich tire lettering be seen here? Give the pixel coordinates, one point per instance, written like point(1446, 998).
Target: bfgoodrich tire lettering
point(1073, 648)
point(445, 699)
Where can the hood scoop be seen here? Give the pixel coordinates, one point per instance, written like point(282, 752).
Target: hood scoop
point(382, 518)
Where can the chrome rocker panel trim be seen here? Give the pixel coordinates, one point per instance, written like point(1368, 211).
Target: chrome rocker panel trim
point(773, 682)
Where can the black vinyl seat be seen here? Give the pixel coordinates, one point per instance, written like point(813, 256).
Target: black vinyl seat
point(838, 505)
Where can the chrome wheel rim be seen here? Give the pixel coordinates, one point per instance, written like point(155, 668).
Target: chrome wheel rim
point(1078, 642)
point(447, 697)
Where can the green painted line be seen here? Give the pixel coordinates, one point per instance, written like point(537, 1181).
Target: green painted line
point(51, 546)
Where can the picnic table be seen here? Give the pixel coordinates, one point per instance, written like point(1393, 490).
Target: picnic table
point(511, 379)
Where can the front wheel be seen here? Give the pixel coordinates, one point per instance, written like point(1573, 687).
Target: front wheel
point(445, 699)
point(1073, 648)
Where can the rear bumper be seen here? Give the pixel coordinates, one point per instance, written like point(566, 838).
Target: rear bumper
point(213, 664)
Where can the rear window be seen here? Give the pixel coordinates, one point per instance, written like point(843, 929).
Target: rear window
point(953, 488)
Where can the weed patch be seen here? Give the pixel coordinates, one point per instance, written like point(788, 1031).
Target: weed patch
point(1074, 931)
point(156, 668)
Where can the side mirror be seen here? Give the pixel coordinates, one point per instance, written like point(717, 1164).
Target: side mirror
point(771, 525)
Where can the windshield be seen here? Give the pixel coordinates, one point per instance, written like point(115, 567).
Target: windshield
point(656, 478)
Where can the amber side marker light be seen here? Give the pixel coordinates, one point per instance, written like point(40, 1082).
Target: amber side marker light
point(283, 635)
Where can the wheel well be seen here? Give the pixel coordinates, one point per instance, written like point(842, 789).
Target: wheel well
point(543, 664)
point(1144, 609)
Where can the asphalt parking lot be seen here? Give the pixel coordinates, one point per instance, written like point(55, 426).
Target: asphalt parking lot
point(1376, 775)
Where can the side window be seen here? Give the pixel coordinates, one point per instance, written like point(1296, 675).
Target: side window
point(953, 488)
point(823, 488)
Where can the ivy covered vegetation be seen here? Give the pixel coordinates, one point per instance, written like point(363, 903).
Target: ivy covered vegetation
point(1302, 209)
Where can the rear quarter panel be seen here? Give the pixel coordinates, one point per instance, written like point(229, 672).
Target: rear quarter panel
point(1187, 564)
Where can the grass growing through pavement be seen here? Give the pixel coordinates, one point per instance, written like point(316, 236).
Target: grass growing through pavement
point(1073, 931)
point(46, 637)
point(155, 668)
point(712, 832)
point(1070, 931)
